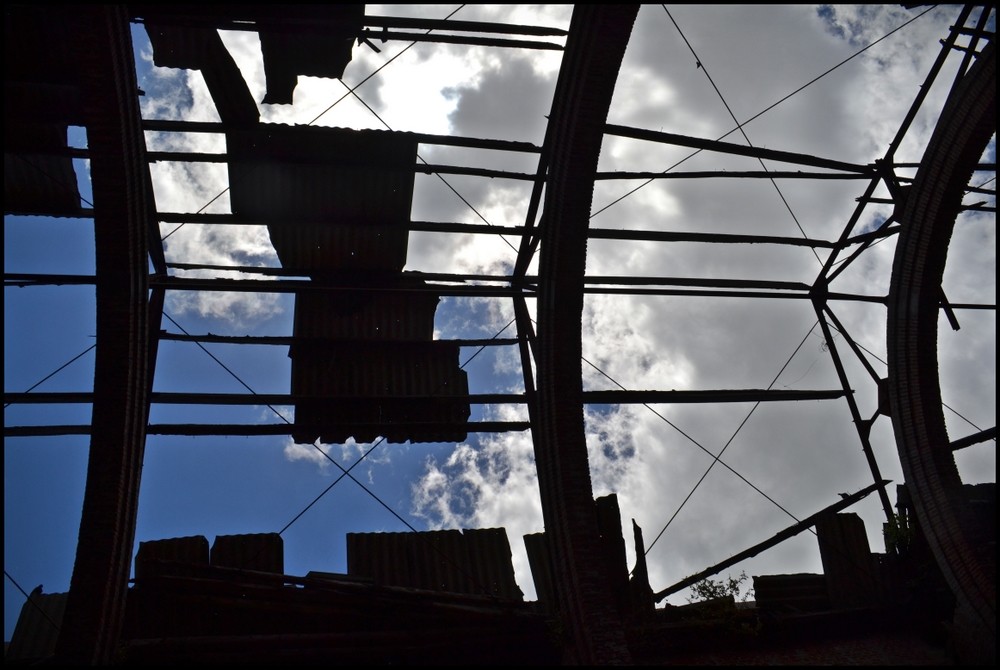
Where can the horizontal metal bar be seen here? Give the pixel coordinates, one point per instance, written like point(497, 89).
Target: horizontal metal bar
point(70, 152)
point(168, 125)
point(971, 305)
point(283, 340)
point(464, 26)
point(28, 279)
point(737, 149)
point(483, 229)
point(711, 238)
point(689, 281)
point(726, 174)
point(294, 272)
point(589, 280)
point(237, 220)
point(311, 22)
point(711, 293)
point(294, 286)
point(477, 172)
point(975, 438)
point(419, 168)
point(779, 290)
point(460, 39)
point(196, 429)
point(612, 397)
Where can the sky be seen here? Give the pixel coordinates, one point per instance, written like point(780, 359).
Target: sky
point(800, 454)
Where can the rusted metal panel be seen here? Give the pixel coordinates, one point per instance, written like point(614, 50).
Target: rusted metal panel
point(337, 199)
point(311, 40)
point(201, 48)
point(39, 44)
point(368, 315)
point(341, 374)
point(540, 561)
point(317, 249)
point(37, 184)
point(476, 561)
point(263, 552)
point(184, 47)
point(37, 628)
point(851, 572)
point(791, 593)
point(190, 550)
point(290, 54)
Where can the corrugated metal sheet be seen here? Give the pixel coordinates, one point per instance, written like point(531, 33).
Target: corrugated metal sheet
point(264, 552)
point(43, 185)
point(368, 315)
point(287, 55)
point(40, 72)
point(791, 593)
point(306, 180)
point(354, 383)
point(851, 572)
point(39, 44)
point(190, 550)
point(37, 628)
point(41, 102)
point(471, 561)
point(540, 561)
point(184, 47)
point(316, 249)
point(200, 48)
point(359, 369)
point(322, 50)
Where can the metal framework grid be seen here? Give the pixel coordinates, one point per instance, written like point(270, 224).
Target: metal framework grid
point(125, 221)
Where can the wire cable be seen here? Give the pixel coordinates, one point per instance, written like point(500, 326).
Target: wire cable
point(739, 126)
point(436, 174)
point(31, 600)
point(716, 458)
point(56, 371)
point(769, 108)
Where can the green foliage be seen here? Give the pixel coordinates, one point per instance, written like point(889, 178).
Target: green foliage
point(710, 589)
point(899, 534)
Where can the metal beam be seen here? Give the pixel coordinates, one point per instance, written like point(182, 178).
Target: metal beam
point(859, 423)
point(528, 231)
point(789, 532)
point(975, 438)
point(163, 125)
point(736, 149)
point(730, 174)
point(463, 26)
point(95, 608)
point(420, 168)
point(611, 397)
point(250, 430)
point(592, 627)
point(711, 238)
point(286, 340)
point(295, 286)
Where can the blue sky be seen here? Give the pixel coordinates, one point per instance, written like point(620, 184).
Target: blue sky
point(802, 455)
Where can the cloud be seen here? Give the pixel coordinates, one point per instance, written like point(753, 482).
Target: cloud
point(326, 456)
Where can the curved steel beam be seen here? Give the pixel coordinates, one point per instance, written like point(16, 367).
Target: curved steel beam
point(594, 52)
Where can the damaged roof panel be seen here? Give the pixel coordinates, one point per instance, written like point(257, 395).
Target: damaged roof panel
point(471, 561)
point(373, 382)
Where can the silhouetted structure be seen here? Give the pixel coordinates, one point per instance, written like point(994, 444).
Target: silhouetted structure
point(364, 364)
